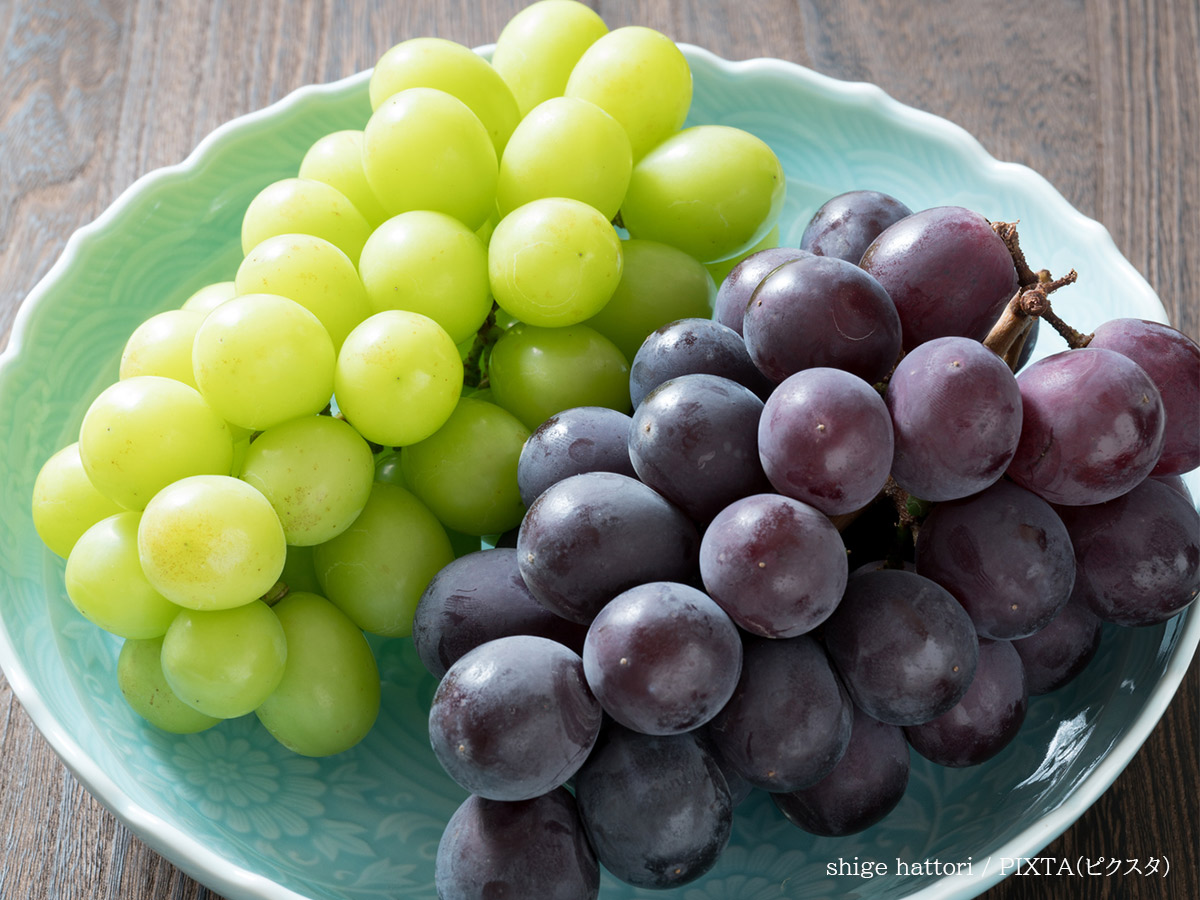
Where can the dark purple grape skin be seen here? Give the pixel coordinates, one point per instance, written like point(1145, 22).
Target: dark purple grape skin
point(1092, 427)
point(987, 718)
point(493, 849)
point(956, 414)
point(1172, 360)
point(693, 347)
point(739, 787)
point(788, 722)
point(947, 272)
point(514, 718)
point(846, 225)
point(1004, 554)
point(734, 292)
point(662, 658)
point(904, 647)
point(574, 441)
point(591, 536)
point(825, 438)
point(867, 783)
point(478, 598)
point(694, 439)
point(1177, 484)
point(656, 808)
point(822, 311)
point(1055, 655)
point(777, 566)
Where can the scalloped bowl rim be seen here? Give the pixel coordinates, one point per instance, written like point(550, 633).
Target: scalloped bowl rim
point(219, 873)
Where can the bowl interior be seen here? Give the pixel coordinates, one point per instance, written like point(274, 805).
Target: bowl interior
point(250, 819)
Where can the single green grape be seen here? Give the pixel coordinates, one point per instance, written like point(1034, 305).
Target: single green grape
point(336, 160)
point(225, 662)
point(387, 466)
point(162, 345)
point(328, 698)
point(719, 270)
point(305, 206)
point(65, 502)
point(209, 297)
point(141, 680)
point(298, 573)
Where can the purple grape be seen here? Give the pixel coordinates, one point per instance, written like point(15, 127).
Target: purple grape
point(825, 438)
point(592, 536)
point(956, 413)
point(1177, 484)
point(1004, 554)
point(866, 784)
point(905, 648)
point(788, 722)
point(847, 224)
point(514, 718)
point(577, 440)
point(733, 294)
point(662, 658)
point(693, 347)
point(987, 718)
point(739, 787)
point(822, 311)
point(478, 598)
point(775, 565)
point(694, 439)
point(527, 848)
point(1056, 654)
point(1092, 426)
point(947, 272)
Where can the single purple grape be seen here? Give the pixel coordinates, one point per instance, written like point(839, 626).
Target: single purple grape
point(693, 347)
point(734, 292)
point(577, 440)
point(1056, 654)
point(847, 224)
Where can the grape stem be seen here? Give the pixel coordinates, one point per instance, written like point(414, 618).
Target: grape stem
point(475, 364)
point(277, 592)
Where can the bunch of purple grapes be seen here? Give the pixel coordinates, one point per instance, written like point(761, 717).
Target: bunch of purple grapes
point(846, 517)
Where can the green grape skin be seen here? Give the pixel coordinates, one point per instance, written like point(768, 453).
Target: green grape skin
point(719, 270)
point(429, 263)
point(105, 582)
point(554, 262)
point(209, 297)
point(387, 466)
point(225, 662)
point(376, 570)
point(466, 471)
point(143, 433)
point(566, 147)
point(142, 683)
point(211, 542)
point(316, 472)
point(262, 359)
point(711, 190)
point(398, 377)
point(65, 502)
point(299, 574)
point(540, 45)
point(336, 160)
point(639, 77)
point(162, 345)
point(659, 284)
point(312, 272)
point(305, 206)
point(424, 149)
point(537, 372)
point(328, 698)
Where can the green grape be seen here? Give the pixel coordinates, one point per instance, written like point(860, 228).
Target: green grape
point(398, 377)
point(225, 662)
point(387, 467)
point(162, 345)
point(639, 77)
point(65, 502)
point(429, 62)
point(312, 272)
point(712, 191)
point(336, 160)
point(211, 542)
point(147, 431)
point(462, 544)
point(241, 446)
point(424, 149)
point(298, 573)
point(141, 680)
point(540, 45)
point(328, 698)
point(484, 232)
point(566, 147)
point(718, 270)
point(304, 206)
point(429, 263)
point(209, 297)
point(376, 570)
point(537, 372)
point(105, 582)
point(659, 284)
point(466, 471)
point(316, 472)
point(554, 262)
point(261, 359)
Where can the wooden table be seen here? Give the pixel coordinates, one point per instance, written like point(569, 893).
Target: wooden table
point(1100, 96)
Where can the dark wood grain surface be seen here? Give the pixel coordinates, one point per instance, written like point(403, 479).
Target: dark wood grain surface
point(1100, 96)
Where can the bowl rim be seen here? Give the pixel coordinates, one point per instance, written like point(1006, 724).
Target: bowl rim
point(209, 867)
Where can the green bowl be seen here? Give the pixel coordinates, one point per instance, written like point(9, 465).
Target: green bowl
point(244, 816)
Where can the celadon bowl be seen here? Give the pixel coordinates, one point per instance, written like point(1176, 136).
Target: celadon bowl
point(249, 819)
